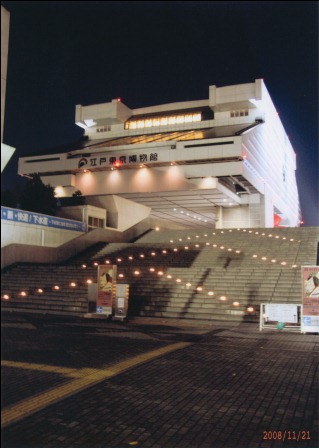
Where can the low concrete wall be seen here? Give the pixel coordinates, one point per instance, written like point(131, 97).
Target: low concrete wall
point(25, 253)
point(19, 226)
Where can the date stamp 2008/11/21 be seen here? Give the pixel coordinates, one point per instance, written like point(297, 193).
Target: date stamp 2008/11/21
point(298, 436)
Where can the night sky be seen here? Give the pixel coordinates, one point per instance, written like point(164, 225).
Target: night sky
point(152, 52)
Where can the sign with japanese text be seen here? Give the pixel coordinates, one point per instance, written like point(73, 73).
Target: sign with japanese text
point(116, 161)
point(285, 312)
point(310, 298)
point(106, 280)
point(15, 215)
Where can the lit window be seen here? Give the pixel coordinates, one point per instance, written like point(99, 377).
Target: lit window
point(162, 121)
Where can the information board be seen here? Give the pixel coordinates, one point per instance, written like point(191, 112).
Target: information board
point(21, 216)
point(280, 316)
point(287, 313)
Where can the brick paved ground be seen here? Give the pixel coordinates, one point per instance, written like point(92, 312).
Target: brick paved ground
point(227, 386)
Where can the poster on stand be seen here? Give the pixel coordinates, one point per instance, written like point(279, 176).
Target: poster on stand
point(310, 299)
point(106, 289)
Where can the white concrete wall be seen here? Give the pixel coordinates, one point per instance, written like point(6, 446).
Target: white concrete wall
point(270, 165)
point(82, 213)
point(20, 233)
point(235, 217)
point(121, 213)
point(15, 253)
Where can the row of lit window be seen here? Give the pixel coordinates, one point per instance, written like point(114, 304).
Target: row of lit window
point(163, 121)
point(96, 222)
point(105, 128)
point(239, 113)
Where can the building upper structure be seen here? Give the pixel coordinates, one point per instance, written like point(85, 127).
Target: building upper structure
point(225, 161)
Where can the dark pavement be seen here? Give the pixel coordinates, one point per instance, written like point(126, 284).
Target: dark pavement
point(71, 382)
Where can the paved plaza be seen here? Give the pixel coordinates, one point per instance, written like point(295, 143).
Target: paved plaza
point(72, 382)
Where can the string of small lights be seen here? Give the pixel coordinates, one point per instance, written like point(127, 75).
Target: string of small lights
point(165, 275)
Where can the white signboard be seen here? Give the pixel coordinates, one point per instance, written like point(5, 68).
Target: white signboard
point(286, 313)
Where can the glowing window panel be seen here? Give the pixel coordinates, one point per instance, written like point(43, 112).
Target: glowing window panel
point(148, 123)
point(163, 121)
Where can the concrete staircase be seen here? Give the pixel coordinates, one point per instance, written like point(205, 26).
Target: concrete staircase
point(220, 274)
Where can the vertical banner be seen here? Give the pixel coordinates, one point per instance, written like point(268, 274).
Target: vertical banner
point(106, 280)
point(310, 299)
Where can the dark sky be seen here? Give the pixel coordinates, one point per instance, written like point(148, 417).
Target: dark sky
point(63, 53)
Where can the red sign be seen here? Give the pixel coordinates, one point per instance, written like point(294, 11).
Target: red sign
point(106, 289)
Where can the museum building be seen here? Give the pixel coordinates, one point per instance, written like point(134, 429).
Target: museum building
point(221, 162)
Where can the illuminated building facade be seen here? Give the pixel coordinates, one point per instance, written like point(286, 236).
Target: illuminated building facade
point(222, 162)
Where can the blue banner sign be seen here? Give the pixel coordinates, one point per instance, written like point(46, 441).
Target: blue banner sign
point(10, 214)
